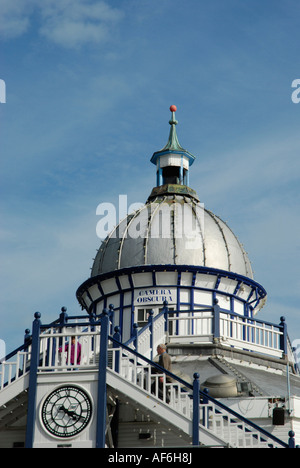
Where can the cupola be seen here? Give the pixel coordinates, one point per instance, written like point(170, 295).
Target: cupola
point(172, 161)
point(172, 165)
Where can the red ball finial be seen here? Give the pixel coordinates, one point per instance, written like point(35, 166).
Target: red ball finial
point(173, 108)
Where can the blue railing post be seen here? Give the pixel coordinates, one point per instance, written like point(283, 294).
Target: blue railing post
point(101, 400)
point(196, 414)
point(92, 320)
point(166, 315)
point(117, 336)
point(283, 337)
point(150, 321)
point(205, 414)
point(63, 320)
point(34, 363)
point(292, 443)
point(27, 338)
point(135, 335)
point(112, 315)
point(216, 320)
point(63, 316)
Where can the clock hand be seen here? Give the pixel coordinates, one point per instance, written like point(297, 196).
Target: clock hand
point(69, 413)
point(73, 414)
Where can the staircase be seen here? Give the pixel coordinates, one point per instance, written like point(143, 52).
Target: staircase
point(134, 376)
point(131, 374)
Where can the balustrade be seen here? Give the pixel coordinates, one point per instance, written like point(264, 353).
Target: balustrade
point(50, 349)
point(188, 400)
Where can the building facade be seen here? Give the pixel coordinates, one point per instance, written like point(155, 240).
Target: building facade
point(170, 273)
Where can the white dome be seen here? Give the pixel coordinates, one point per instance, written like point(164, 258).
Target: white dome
point(172, 229)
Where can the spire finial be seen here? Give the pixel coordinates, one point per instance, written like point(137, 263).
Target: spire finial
point(173, 121)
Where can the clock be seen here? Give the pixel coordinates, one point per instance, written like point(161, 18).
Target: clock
point(66, 411)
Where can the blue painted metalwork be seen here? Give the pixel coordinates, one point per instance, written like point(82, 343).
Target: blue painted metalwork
point(150, 320)
point(135, 336)
point(205, 415)
point(283, 337)
point(117, 337)
point(111, 313)
point(216, 335)
point(218, 282)
point(216, 319)
point(159, 179)
point(196, 413)
point(165, 311)
point(64, 321)
point(34, 362)
point(27, 337)
point(260, 292)
point(237, 288)
point(292, 443)
point(102, 392)
point(63, 317)
point(181, 171)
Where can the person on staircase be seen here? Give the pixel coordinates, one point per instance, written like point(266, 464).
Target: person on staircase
point(165, 362)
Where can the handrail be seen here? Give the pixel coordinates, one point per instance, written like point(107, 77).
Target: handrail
point(202, 394)
point(230, 328)
point(14, 352)
point(146, 327)
point(97, 321)
point(284, 346)
point(55, 324)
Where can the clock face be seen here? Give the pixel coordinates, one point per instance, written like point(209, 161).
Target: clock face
point(66, 411)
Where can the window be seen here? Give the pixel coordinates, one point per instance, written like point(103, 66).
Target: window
point(142, 317)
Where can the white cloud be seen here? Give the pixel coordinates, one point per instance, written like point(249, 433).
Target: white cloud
point(14, 17)
point(72, 23)
point(68, 23)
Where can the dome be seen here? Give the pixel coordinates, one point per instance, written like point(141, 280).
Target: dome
point(172, 229)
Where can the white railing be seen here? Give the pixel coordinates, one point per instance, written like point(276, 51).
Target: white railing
point(14, 368)
point(149, 337)
point(198, 326)
point(69, 348)
point(183, 325)
point(75, 346)
point(230, 329)
point(177, 395)
point(249, 334)
point(158, 334)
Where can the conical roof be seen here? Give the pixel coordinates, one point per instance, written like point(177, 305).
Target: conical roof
point(173, 145)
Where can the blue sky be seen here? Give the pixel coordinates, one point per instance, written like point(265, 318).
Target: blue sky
point(88, 89)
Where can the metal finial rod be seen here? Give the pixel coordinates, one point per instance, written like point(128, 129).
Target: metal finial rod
point(173, 120)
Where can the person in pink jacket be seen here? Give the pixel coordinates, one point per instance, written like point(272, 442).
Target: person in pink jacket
point(71, 358)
